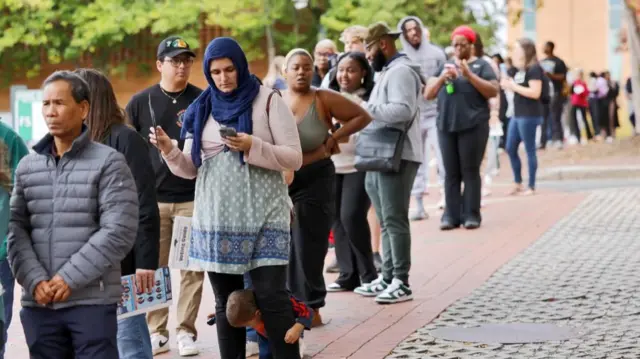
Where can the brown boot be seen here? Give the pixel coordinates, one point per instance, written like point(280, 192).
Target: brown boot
point(317, 319)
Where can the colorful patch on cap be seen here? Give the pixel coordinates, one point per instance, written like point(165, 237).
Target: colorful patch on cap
point(179, 43)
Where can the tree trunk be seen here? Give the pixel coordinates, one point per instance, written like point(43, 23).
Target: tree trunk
point(633, 36)
point(271, 47)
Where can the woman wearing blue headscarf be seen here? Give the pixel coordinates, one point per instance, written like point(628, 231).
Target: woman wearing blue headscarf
point(240, 138)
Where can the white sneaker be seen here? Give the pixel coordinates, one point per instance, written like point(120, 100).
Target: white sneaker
point(186, 345)
point(159, 344)
point(252, 348)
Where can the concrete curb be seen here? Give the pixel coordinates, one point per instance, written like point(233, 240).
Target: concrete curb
point(590, 172)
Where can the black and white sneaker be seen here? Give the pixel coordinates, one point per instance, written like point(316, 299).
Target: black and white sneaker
point(159, 344)
point(372, 289)
point(395, 293)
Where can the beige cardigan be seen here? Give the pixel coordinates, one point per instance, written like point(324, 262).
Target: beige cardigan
point(275, 142)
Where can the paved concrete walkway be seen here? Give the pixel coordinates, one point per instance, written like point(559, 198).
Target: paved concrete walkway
point(446, 267)
point(582, 274)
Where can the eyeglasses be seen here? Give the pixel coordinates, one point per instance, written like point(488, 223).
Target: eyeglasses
point(176, 62)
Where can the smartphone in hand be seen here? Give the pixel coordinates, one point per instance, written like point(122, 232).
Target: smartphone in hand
point(228, 132)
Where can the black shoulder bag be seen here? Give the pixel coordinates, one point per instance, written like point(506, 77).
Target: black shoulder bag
point(380, 149)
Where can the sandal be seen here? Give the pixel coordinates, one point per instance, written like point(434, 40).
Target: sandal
point(517, 189)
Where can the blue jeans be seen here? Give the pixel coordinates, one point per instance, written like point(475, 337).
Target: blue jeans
point(263, 345)
point(8, 283)
point(134, 341)
point(523, 129)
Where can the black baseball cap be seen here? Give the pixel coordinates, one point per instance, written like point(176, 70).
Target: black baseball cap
point(173, 46)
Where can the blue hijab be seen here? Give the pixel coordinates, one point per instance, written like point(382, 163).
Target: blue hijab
point(233, 109)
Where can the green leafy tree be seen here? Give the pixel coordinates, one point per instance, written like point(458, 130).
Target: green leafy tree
point(264, 27)
point(440, 16)
point(55, 31)
point(33, 31)
point(102, 24)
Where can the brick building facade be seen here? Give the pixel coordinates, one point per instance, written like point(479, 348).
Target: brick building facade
point(586, 32)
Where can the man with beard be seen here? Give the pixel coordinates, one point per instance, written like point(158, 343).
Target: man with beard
point(415, 43)
point(393, 103)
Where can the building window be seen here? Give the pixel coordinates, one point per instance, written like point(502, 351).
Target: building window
point(615, 14)
point(529, 19)
point(615, 25)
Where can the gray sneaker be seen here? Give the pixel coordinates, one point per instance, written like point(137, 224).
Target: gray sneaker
point(372, 289)
point(418, 215)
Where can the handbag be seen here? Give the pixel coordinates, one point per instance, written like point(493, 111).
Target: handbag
point(380, 149)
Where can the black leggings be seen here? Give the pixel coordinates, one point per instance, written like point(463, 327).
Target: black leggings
point(557, 107)
point(603, 116)
point(269, 285)
point(462, 154)
point(312, 193)
point(576, 126)
point(351, 231)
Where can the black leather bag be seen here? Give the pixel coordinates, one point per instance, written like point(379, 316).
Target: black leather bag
point(380, 149)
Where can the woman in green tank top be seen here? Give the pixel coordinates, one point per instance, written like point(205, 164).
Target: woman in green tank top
point(312, 189)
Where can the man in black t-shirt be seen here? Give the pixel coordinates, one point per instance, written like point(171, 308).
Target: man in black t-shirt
point(556, 70)
point(163, 105)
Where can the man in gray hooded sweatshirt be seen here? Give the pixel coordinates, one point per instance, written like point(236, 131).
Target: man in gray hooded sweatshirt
point(393, 103)
point(416, 45)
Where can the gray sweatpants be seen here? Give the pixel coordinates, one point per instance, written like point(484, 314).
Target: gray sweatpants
point(431, 149)
point(390, 195)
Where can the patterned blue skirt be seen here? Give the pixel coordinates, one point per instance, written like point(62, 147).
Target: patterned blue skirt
point(241, 217)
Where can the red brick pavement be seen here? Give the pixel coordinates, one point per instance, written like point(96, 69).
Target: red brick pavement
point(446, 267)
